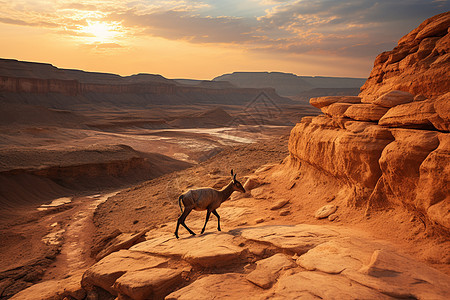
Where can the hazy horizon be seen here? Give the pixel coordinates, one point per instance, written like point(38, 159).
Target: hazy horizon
point(204, 39)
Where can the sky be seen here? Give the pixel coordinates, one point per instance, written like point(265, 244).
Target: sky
point(202, 39)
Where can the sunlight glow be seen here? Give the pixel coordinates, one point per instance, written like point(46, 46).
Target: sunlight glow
point(101, 31)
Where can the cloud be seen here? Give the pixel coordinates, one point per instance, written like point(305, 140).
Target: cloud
point(182, 25)
point(79, 6)
point(25, 23)
point(348, 28)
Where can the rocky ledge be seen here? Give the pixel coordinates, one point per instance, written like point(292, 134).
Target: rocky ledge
point(391, 144)
point(267, 262)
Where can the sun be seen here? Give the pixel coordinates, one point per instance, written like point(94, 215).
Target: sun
point(100, 31)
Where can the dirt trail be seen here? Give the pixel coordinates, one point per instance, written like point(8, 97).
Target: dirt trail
point(77, 238)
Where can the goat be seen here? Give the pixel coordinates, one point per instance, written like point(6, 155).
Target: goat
point(208, 199)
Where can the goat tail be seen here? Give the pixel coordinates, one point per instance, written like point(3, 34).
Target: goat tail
point(179, 202)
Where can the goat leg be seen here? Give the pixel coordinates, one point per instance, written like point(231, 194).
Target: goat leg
point(218, 219)
point(181, 220)
point(208, 213)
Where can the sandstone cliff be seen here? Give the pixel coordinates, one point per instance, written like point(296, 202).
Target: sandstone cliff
point(419, 64)
point(390, 145)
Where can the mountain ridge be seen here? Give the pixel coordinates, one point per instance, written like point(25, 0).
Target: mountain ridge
point(288, 84)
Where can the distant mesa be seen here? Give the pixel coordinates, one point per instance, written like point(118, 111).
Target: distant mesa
point(206, 83)
point(43, 84)
point(287, 84)
point(51, 87)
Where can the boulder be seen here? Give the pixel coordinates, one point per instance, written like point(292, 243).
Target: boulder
point(298, 239)
point(279, 204)
point(267, 270)
point(325, 211)
point(121, 241)
point(305, 285)
point(401, 277)
point(105, 272)
point(219, 286)
point(207, 250)
point(320, 102)
point(410, 115)
point(334, 256)
point(333, 217)
point(68, 288)
point(365, 112)
point(394, 98)
point(252, 182)
point(336, 109)
point(148, 284)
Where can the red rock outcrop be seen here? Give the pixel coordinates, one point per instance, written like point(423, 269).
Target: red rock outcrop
point(281, 262)
point(393, 148)
point(419, 64)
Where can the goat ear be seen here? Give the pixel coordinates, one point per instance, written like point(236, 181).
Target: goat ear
point(232, 172)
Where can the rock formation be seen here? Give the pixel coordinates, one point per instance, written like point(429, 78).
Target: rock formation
point(268, 262)
point(419, 64)
point(390, 145)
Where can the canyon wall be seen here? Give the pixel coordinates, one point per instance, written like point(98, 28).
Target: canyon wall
point(391, 144)
point(43, 84)
point(37, 175)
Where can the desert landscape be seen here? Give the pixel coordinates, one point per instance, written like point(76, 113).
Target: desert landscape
point(346, 181)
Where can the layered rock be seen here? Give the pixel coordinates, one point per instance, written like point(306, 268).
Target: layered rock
point(350, 153)
point(393, 147)
point(276, 262)
point(419, 64)
point(67, 288)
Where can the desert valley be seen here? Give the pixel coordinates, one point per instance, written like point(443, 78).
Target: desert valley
point(346, 181)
